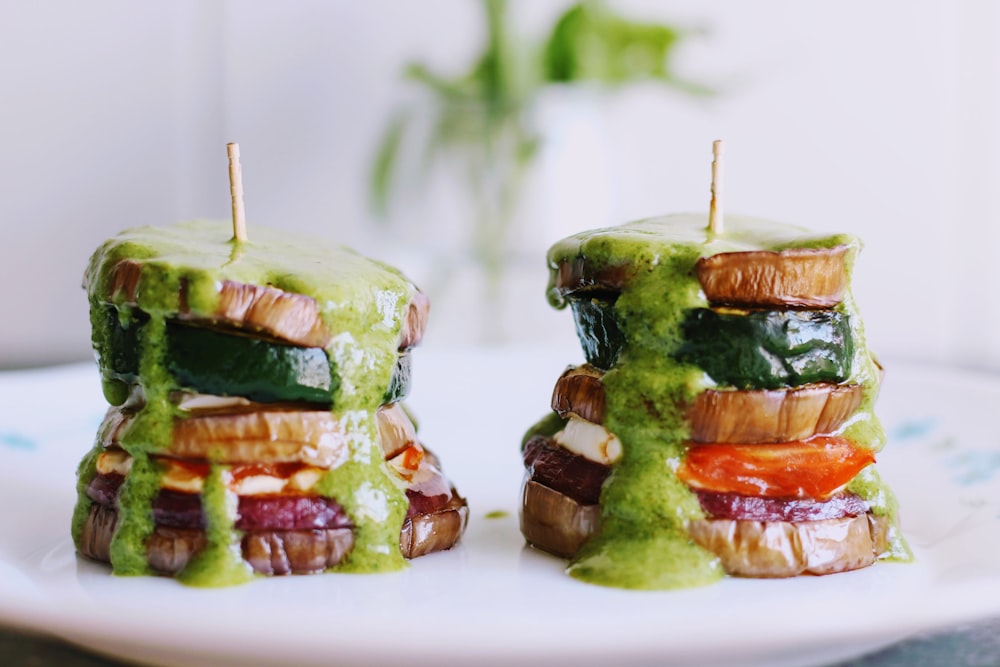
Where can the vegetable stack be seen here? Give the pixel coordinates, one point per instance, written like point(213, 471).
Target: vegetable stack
point(256, 423)
point(724, 419)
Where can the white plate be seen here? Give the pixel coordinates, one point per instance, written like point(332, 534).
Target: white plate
point(491, 600)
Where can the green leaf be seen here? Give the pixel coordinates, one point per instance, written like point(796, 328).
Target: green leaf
point(559, 61)
point(384, 166)
point(444, 89)
point(477, 122)
point(591, 43)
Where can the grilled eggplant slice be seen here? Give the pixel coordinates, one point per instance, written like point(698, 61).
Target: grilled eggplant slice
point(739, 416)
point(554, 522)
point(753, 416)
point(261, 309)
point(579, 391)
point(313, 437)
point(784, 549)
point(793, 278)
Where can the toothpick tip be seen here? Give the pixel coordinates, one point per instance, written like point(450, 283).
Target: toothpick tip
point(236, 190)
point(715, 217)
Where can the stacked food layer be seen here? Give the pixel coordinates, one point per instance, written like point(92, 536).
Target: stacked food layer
point(723, 422)
point(256, 422)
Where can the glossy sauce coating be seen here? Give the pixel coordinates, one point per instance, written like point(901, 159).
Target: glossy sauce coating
point(650, 269)
point(187, 271)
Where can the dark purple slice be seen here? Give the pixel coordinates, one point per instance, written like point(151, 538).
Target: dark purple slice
point(564, 471)
point(792, 510)
point(175, 509)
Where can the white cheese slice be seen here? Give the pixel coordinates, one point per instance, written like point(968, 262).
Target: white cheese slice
point(191, 402)
point(257, 485)
point(305, 479)
point(590, 440)
point(181, 478)
point(401, 463)
point(114, 462)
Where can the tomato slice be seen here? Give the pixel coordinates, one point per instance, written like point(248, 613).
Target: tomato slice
point(412, 456)
point(239, 471)
point(812, 468)
point(284, 470)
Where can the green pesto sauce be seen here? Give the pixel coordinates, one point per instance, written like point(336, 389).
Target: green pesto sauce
point(548, 425)
point(361, 301)
point(377, 508)
point(135, 520)
point(220, 562)
point(642, 541)
point(85, 472)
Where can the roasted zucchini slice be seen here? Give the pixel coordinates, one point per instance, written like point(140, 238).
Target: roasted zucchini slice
point(597, 328)
point(745, 349)
point(768, 349)
point(222, 362)
point(225, 364)
point(116, 336)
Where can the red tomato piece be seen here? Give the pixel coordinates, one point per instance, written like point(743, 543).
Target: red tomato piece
point(812, 468)
point(412, 456)
point(281, 470)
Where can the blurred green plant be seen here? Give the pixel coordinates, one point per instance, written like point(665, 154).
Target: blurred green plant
point(480, 122)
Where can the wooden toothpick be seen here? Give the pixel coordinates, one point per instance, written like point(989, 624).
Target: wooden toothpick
point(236, 188)
point(715, 222)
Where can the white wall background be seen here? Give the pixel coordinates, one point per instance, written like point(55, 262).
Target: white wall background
point(877, 118)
